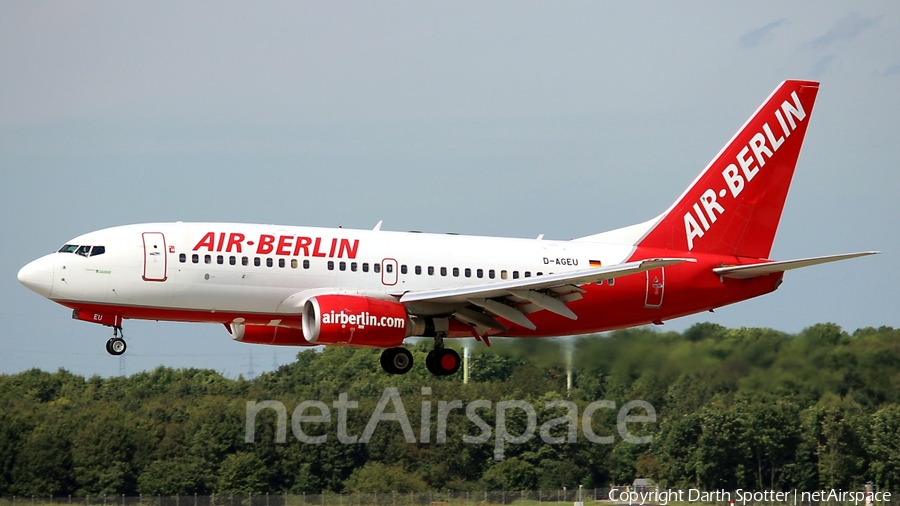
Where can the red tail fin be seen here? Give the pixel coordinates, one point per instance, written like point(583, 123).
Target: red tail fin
point(735, 204)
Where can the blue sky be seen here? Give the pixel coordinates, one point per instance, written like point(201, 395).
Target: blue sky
point(507, 118)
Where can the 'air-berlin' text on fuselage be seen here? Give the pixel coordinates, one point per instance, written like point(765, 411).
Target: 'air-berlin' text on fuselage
point(285, 245)
point(763, 145)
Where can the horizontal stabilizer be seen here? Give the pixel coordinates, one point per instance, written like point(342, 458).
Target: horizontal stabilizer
point(752, 271)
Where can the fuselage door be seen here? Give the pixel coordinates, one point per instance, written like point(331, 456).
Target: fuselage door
point(656, 286)
point(389, 272)
point(154, 256)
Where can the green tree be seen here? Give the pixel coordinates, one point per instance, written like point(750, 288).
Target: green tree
point(884, 447)
point(378, 477)
point(510, 474)
point(177, 476)
point(242, 473)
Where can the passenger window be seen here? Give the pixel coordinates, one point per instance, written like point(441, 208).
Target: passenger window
point(527, 274)
point(365, 266)
point(182, 258)
point(418, 269)
point(515, 274)
point(431, 270)
point(306, 264)
point(353, 266)
point(503, 274)
point(468, 272)
point(443, 271)
point(232, 260)
point(403, 269)
point(540, 273)
point(491, 273)
point(389, 268)
point(611, 281)
point(195, 258)
point(83, 251)
point(600, 282)
point(343, 266)
point(68, 248)
point(98, 250)
point(207, 259)
point(376, 268)
point(293, 263)
point(220, 259)
point(331, 265)
point(281, 263)
point(256, 261)
point(456, 272)
point(269, 262)
point(480, 273)
point(245, 261)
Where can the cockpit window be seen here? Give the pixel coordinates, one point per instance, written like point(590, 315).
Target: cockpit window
point(85, 251)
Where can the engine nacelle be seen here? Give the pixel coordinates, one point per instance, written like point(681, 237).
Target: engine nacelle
point(355, 320)
point(265, 334)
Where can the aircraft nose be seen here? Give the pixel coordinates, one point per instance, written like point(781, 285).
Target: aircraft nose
point(37, 276)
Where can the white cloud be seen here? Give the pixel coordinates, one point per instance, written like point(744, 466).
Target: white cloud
point(756, 37)
point(847, 28)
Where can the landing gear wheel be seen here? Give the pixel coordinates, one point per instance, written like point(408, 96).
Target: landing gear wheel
point(115, 346)
point(429, 363)
point(444, 362)
point(396, 360)
point(448, 361)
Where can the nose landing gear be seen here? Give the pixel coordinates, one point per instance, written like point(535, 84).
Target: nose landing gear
point(116, 344)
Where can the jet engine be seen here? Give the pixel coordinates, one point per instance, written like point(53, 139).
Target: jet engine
point(357, 321)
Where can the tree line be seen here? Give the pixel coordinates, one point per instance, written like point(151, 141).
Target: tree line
point(748, 408)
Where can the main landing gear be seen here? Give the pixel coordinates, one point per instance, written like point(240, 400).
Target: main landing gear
point(396, 360)
point(116, 344)
point(440, 361)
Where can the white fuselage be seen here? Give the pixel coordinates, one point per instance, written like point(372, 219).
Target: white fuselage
point(221, 274)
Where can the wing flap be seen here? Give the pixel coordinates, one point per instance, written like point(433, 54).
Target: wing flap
point(548, 281)
point(752, 271)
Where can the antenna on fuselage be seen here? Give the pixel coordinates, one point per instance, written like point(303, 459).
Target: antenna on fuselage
point(378, 226)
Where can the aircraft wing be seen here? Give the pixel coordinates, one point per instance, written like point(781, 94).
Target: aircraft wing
point(548, 281)
point(752, 271)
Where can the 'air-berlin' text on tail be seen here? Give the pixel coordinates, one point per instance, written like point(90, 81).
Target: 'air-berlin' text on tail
point(735, 204)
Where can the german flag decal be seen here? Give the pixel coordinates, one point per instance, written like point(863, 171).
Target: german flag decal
point(596, 263)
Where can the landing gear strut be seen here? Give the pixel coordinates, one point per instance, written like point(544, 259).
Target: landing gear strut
point(116, 344)
point(442, 361)
point(396, 360)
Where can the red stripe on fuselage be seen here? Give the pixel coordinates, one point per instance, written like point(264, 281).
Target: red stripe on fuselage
point(182, 315)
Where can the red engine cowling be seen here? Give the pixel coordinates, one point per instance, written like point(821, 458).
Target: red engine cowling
point(355, 320)
point(264, 334)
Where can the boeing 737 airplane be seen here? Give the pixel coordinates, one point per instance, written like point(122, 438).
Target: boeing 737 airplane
point(304, 286)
